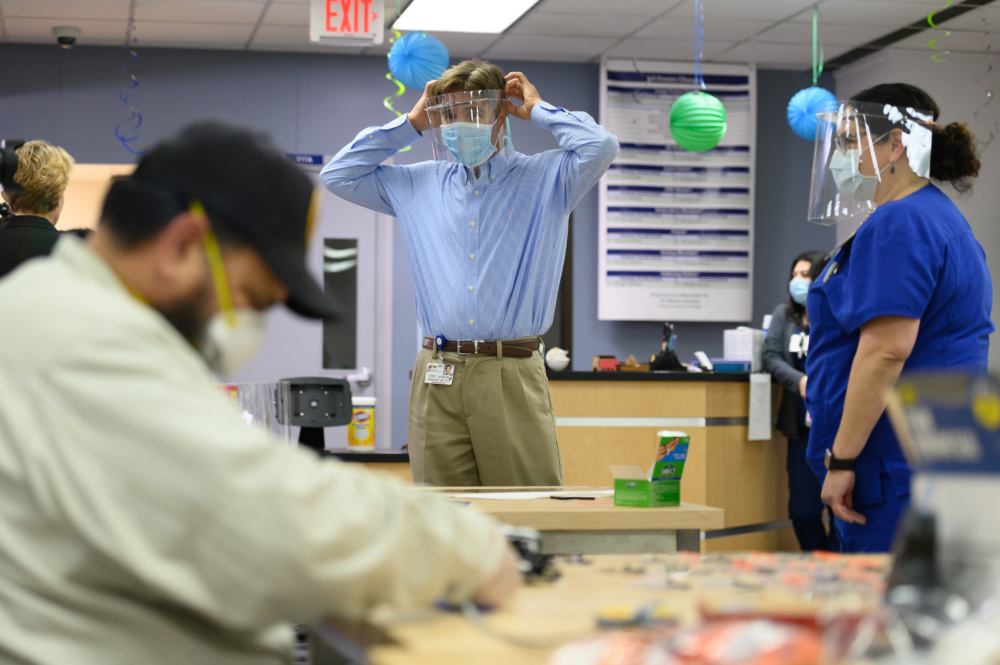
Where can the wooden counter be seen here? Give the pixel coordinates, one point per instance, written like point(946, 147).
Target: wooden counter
point(613, 418)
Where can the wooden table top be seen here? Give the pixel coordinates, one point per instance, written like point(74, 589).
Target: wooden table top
point(587, 515)
point(553, 613)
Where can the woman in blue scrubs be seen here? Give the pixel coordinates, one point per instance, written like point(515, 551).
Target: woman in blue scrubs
point(909, 291)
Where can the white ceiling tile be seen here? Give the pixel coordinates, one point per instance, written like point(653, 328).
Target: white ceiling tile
point(559, 49)
point(66, 10)
point(892, 15)
point(783, 56)
point(294, 38)
point(751, 10)
point(287, 14)
point(578, 25)
point(39, 31)
point(602, 7)
point(199, 11)
point(661, 49)
point(192, 35)
point(465, 45)
point(677, 28)
point(832, 35)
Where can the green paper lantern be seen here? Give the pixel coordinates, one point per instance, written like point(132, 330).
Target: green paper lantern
point(698, 121)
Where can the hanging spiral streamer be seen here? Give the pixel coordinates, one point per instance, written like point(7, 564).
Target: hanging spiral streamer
point(400, 88)
point(930, 21)
point(125, 131)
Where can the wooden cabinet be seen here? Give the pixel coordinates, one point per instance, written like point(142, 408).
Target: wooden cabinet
point(605, 419)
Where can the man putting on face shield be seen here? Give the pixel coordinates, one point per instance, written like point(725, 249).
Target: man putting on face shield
point(485, 233)
point(142, 520)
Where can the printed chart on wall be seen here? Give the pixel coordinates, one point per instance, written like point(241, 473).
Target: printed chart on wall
point(676, 227)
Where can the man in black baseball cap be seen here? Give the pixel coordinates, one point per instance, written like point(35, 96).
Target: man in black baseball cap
point(143, 521)
point(239, 213)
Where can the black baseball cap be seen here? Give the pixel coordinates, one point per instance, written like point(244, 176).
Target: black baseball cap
point(249, 190)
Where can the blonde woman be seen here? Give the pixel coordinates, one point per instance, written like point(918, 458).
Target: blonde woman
point(43, 170)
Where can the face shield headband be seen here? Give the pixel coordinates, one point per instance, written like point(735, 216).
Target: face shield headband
point(846, 169)
point(468, 127)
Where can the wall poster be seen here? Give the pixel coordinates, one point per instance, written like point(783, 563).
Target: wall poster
point(676, 227)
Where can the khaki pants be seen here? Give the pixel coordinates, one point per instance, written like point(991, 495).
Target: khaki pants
point(493, 426)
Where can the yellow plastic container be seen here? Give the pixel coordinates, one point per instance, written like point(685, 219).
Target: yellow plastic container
point(361, 431)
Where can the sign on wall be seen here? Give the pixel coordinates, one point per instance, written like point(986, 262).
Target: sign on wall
point(333, 21)
point(676, 227)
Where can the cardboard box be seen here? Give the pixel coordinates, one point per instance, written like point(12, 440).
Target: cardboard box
point(745, 344)
point(661, 485)
point(633, 489)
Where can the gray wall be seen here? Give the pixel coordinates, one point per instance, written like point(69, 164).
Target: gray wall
point(317, 103)
point(784, 162)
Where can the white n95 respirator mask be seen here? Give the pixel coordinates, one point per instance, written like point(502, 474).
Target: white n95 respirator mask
point(231, 339)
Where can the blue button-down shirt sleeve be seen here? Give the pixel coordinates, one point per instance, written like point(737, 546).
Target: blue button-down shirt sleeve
point(485, 246)
point(356, 173)
point(589, 149)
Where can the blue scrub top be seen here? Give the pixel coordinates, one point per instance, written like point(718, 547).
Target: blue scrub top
point(915, 257)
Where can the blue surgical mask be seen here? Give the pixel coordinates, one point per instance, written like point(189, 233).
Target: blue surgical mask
point(846, 169)
point(469, 142)
point(798, 288)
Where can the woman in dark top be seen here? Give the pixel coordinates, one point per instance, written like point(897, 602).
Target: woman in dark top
point(785, 359)
point(43, 171)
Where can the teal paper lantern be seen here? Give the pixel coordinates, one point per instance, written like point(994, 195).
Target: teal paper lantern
point(698, 121)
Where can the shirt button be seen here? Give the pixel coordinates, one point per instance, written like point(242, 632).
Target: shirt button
point(470, 288)
point(493, 177)
point(472, 223)
point(476, 192)
point(471, 322)
point(472, 256)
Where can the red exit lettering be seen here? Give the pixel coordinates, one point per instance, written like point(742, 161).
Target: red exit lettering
point(351, 16)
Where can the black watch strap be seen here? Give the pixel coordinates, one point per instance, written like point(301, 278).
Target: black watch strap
point(833, 463)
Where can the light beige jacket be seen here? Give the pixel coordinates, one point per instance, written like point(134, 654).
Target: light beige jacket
point(142, 522)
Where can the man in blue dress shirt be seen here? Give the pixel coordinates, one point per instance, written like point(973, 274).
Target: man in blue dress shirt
point(485, 234)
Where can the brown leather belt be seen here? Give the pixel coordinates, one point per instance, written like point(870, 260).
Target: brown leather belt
point(515, 348)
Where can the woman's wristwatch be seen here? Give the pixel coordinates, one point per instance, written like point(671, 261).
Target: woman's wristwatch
point(834, 463)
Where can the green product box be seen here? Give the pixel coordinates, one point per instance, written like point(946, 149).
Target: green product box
point(647, 493)
point(661, 485)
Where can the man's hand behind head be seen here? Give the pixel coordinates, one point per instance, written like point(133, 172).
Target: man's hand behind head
point(418, 114)
point(519, 88)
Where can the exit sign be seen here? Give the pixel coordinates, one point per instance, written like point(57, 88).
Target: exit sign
point(347, 21)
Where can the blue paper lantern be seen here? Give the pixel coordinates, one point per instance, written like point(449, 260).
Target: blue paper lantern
point(804, 106)
point(418, 58)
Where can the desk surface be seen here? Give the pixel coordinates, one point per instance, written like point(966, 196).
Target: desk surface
point(556, 613)
point(566, 610)
point(583, 515)
point(597, 515)
point(704, 377)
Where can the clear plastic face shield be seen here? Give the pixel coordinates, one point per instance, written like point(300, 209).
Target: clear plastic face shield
point(468, 127)
point(847, 167)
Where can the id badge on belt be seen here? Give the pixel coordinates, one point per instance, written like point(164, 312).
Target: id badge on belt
point(439, 373)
